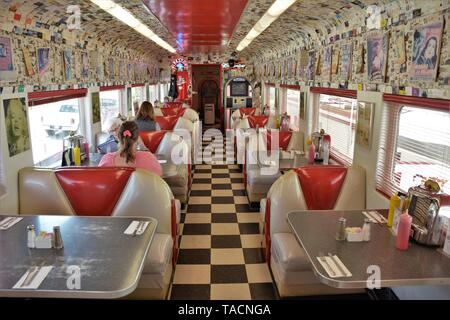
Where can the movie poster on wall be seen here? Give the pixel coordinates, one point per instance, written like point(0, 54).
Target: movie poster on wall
point(335, 61)
point(67, 63)
point(7, 72)
point(326, 65)
point(425, 55)
point(346, 61)
point(43, 56)
point(84, 65)
point(16, 124)
point(377, 46)
point(95, 107)
point(310, 67)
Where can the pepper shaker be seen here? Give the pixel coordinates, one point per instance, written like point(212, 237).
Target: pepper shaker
point(366, 230)
point(340, 235)
point(58, 241)
point(31, 231)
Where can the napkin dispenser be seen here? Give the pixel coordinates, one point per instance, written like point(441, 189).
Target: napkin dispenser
point(428, 224)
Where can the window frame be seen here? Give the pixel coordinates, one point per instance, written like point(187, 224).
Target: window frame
point(122, 100)
point(349, 94)
point(294, 125)
point(392, 106)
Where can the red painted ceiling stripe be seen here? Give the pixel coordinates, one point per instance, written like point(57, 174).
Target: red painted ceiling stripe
point(199, 25)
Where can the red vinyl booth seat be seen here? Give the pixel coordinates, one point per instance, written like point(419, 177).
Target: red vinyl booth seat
point(167, 123)
point(173, 111)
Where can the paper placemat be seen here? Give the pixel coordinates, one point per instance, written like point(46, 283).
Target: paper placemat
point(7, 223)
point(133, 225)
point(40, 276)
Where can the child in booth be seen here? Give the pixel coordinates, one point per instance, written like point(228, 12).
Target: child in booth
point(128, 155)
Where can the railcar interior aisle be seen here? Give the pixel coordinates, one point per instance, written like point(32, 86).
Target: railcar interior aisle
point(224, 150)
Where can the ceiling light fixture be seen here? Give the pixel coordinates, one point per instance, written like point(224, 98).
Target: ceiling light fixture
point(129, 19)
point(275, 10)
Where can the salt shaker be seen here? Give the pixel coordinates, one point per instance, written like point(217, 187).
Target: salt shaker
point(31, 231)
point(366, 230)
point(340, 235)
point(57, 238)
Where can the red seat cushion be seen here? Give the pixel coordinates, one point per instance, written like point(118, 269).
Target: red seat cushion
point(167, 123)
point(284, 137)
point(93, 191)
point(321, 185)
point(247, 111)
point(152, 139)
point(261, 121)
point(173, 111)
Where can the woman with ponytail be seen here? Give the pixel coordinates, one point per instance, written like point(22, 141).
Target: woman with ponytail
point(127, 155)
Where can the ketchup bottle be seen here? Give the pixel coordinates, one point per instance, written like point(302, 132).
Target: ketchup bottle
point(404, 231)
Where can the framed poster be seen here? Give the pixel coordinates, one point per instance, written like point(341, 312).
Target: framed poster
point(27, 59)
point(84, 65)
point(426, 48)
point(364, 123)
point(95, 96)
point(43, 56)
point(67, 63)
point(7, 72)
point(326, 65)
point(377, 47)
point(346, 60)
point(129, 101)
point(310, 67)
point(335, 61)
point(16, 124)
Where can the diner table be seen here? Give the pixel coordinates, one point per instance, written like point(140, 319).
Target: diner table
point(110, 262)
point(419, 265)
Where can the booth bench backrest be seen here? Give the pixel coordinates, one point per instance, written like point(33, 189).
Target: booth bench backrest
point(95, 191)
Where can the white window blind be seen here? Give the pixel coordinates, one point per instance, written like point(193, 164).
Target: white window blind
point(414, 145)
point(272, 100)
point(293, 107)
point(337, 116)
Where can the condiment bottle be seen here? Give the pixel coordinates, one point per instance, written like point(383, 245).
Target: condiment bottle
point(311, 154)
point(31, 236)
point(340, 234)
point(393, 203)
point(58, 241)
point(366, 230)
point(404, 231)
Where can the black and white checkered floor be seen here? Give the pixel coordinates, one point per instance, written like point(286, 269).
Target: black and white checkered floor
point(220, 253)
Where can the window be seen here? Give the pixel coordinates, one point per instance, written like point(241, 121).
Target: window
point(137, 94)
point(293, 107)
point(270, 99)
point(50, 124)
point(153, 93)
point(414, 145)
point(2, 174)
point(162, 91)
point(337, 116)
point(109, 106)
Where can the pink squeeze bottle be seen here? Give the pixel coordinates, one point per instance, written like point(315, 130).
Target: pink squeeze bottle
point(311, 154)
point(404, 230)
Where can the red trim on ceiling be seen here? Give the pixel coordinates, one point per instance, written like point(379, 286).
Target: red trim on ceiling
point(199, 25)
point(44, 97)
point(290, 86)
point(335, 92)
point(441, 104)
point(138, 85)
point(110, 88)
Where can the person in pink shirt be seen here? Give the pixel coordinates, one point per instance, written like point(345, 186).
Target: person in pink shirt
point(127, 155)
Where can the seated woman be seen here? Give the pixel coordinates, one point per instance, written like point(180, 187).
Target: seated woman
point(111, 144)
point(127, 155)
point(145, 118)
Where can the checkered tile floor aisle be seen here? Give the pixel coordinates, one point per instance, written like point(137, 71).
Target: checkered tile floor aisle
point(220, 253)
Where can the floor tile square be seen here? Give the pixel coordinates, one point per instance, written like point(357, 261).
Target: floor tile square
point(230, 292)
point(195, 242)
point(202, 175)
point(224, 218)
point(239, 193)
point(197, 218)
point(223, 208)
point(202, 171)
point(258, 273)
point(249, 228)
point(237, 180)
point(220, 180)
point(248, 217)
point(263, 291)
point(240, 200)
point(251, 240)
point(182, 217)
point(245, 208)
point(227, 241)
point(219, 171)
point(237, 186)
point(199, 200)
point(194, 256)
point(222, 193)
point(197, 229)
point(201, 186)
point(190, 292)
point(228, 274)
point(203, 166)
point(192, 274)
point(236, 175)
point(227, 256)
point(200, 193)
point(199, 208)
point(221, 186)
point(221, 176)
point(253, 255)
point(222, 200)
point(201, 181)
point(235, 170)
point(224, 229)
